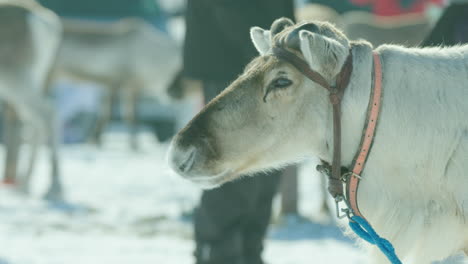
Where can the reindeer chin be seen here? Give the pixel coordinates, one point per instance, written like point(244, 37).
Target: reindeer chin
point(214, 181)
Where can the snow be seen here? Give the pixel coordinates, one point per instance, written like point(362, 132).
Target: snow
point(129, 207)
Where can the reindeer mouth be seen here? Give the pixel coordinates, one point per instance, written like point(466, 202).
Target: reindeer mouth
point(213, 181)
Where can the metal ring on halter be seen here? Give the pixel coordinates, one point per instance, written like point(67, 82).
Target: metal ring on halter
point(345, 176)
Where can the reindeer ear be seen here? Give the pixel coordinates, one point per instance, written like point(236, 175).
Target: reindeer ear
point(292, 39)
point(323, 54)
point(261, 39)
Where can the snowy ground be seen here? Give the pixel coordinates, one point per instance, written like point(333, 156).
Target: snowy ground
point(125, 207)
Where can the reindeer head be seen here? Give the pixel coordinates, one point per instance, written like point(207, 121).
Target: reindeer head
point(271, 115)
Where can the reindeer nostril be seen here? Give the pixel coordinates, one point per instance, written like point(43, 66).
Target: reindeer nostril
point(188, 163)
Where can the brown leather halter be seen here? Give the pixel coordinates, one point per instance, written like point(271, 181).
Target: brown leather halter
point(350, 178)
point(335, 185)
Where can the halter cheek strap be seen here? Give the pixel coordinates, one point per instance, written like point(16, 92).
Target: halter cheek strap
point(335, 186)
point(351, 179)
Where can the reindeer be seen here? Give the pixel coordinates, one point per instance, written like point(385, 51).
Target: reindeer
point(29, 39)
point(413, 188)
point(128, 55)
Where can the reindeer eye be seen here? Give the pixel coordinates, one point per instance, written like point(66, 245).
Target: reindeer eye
point(281, 83)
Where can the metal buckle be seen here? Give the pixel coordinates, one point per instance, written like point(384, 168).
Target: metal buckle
point(344, 210)
point(345, 176)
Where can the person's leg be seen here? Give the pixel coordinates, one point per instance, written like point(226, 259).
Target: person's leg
point(222, 211)
point(256, 224)
point(219, 220)
point(12, 141)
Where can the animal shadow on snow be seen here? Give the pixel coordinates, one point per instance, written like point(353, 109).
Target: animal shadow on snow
point(68, 207)
point(294, 228)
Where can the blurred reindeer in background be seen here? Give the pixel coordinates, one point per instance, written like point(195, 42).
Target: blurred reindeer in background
point(29, 39)
point(128, 56)
point(408, 30)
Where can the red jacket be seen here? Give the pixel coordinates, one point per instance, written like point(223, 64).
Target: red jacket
point(394, 8)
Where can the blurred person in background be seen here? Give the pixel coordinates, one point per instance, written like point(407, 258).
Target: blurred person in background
point(397, 7)
point(340, 6)
point(231, 221)
point(452, 26)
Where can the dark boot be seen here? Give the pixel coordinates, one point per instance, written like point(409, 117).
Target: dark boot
point(256, 223)
point(226, 251)
point(219, 222)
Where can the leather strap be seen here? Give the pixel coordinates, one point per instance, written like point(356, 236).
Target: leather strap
point(301, 65)
point(335, 184)
point(367, 137)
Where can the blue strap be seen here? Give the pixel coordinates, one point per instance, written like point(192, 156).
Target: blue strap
point(364, 230)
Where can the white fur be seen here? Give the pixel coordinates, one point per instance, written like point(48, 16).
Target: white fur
point(414, 184)
point(320, 51)
point(414, 187)
point(261, 39)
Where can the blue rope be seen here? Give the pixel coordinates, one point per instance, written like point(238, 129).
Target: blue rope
point(363, 229)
